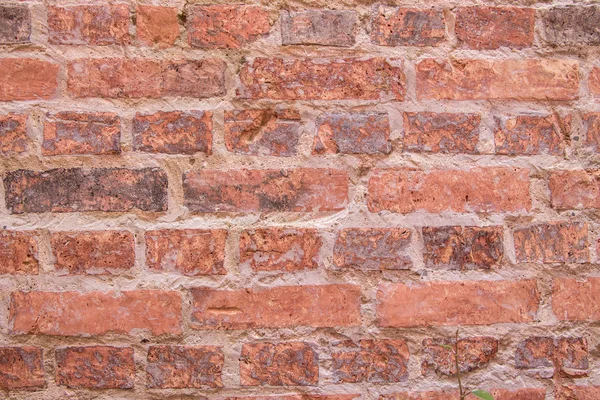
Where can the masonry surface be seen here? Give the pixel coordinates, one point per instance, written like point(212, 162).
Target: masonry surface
point(299, 200)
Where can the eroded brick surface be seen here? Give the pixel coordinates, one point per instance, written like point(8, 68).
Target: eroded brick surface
point(355, 133)
point(178, 367)
point(319, 27)
point(576, 299)
point(407, 26)
point(426, 132)
point(21, 368)
point(552, 243)
point(498, 394)
point(18, 253)
point(565, 355)
point(529, 135)
point(27, 79)
point(156, 25)
point(473, 353)
point(15, 24)
point(13, 134)
point(571, 25)
point(574, 189)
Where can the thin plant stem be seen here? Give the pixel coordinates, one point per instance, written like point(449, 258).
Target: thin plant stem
point(460, 388)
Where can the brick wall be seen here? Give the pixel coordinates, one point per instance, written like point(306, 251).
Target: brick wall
point(299, 200)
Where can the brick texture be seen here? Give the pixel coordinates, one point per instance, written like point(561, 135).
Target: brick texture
point(473, 353)
point(18, 253)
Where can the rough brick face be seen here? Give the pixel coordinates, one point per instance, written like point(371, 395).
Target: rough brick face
point(191, 252)
point(407, 26)
point(571, 25)
point(101, 252)
point(95, 367)
point(278, 307)
point(319, 27)
point(81, 133)
point(476, 190)
point(13, 134)
point(21, 368)
point(280, 249)
point(27, 79)
point(577, 392)
point(173, 132)
point(574, 189)
point(566, 355)
point(456, 303)
point(95, 313)
point(15, 24)
point(552, 243)
point(594, 81)
point(70, 190)
point(426, 132)
point(485, 28)
point(529, 135)
point(279, 364)
point(498, 394)
point(265, 190)
point(373, 361)
point(18, 253)
point(178, 367)
point(473, 353)
point(156, 25)
point(591, 124)
point(364, 133)
point(372, 249)
point(576, 300)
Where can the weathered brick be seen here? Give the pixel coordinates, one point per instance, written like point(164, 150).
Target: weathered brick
point(89, 24)
point(426, 132)
point(76, 189)
point(173, 132)
point(594, 81)
point(178, 367)
point(21, 368)
point(13, 134)
point(566, 355)
point(462, 248)
point(352, 133)
point(191, 252)
point(15, 24)
point(529, 79)
point(319, 27)
point(456, 303)
point(93, 252)
point(95, 313)
point(280, 249)
point(591, 127)
point(571, 25)
point(486, 28)
point(558, 242)
point(373, 249)
point(299, 397)
point(81, 133)
point(574, 300)
point(156, 25)
point(531, 134)
point(278, 307)
point(144, 77)
point(303, 189)
point(473, 353)
point(407, 26)
point(18, 253)
point(262, 132)
point(95, 367)
point(226, 26)
point(498, 394)
point(373, 361)
point(279, 364)
point(574, 189)
point(492, 189)
point(577, 393)
point(27, 79)
point(308, 79)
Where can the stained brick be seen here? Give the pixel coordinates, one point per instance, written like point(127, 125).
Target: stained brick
point(566, 355)
point(529, 134)
point(178, 367)
point(21, 368)
point(156, 25)
point(319, 27)
point(498, 394)
point(594, 81)
point(407, 26)
point(552, 243)
point(571, 26)
point(13, 134)
point(426, 132)
point(577, 393)
point(15, 24)
point(473, 353)
point(591, 126)
point(18, 253)
point(574, 189)
point(352, 133)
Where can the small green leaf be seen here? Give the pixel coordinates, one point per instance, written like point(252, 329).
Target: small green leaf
point(447, 346)
point(482, 394)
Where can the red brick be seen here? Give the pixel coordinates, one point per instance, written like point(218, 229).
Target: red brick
point(577, 393)
point(306, 79)
point(373, 249)
point(144, 77)
point(574, 300)
point(280, 249)
point(319, 27)
point(571, 25)
point(373, 361)
point(95, 367)
point(558, 242)
point(498, 394)
point(178, 367)
point(352, 133)
point(93, 252)
point(574, 189)
point(81, 133)
point(269, 190)
point(279, 364)
point(566, 355)
point(173, 132)
point(473, 353)
point(95, 313)
point(492, 189)
point(21, 368)
point(456, 303)
point(191, 252)
point(462, 248)
point(156, 25)
point(13, 134)
point(27, 79)
point(226, 26)
point(278, 307)
point(426, 132)
point(262, 132)
point(18, 253)
point(591, 127)
point(572, 356)
point(76, 189)
point(529, 79)
point(299, 397)
point(15, 24)
point(594, 81)
point(485, 28)
point(89, 24)
point(530, 134)
point(407, 26)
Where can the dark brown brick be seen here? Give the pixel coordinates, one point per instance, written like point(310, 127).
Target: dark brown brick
point(572, 25)
point(15, 24)
point(407, 27)
point(426, 132)
point(352, 133)
point(473, 353)
point(21, 368)
point(18, 253)
point(529, 134)
point(560, 242)
point(319, 27)
point(13, 134)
